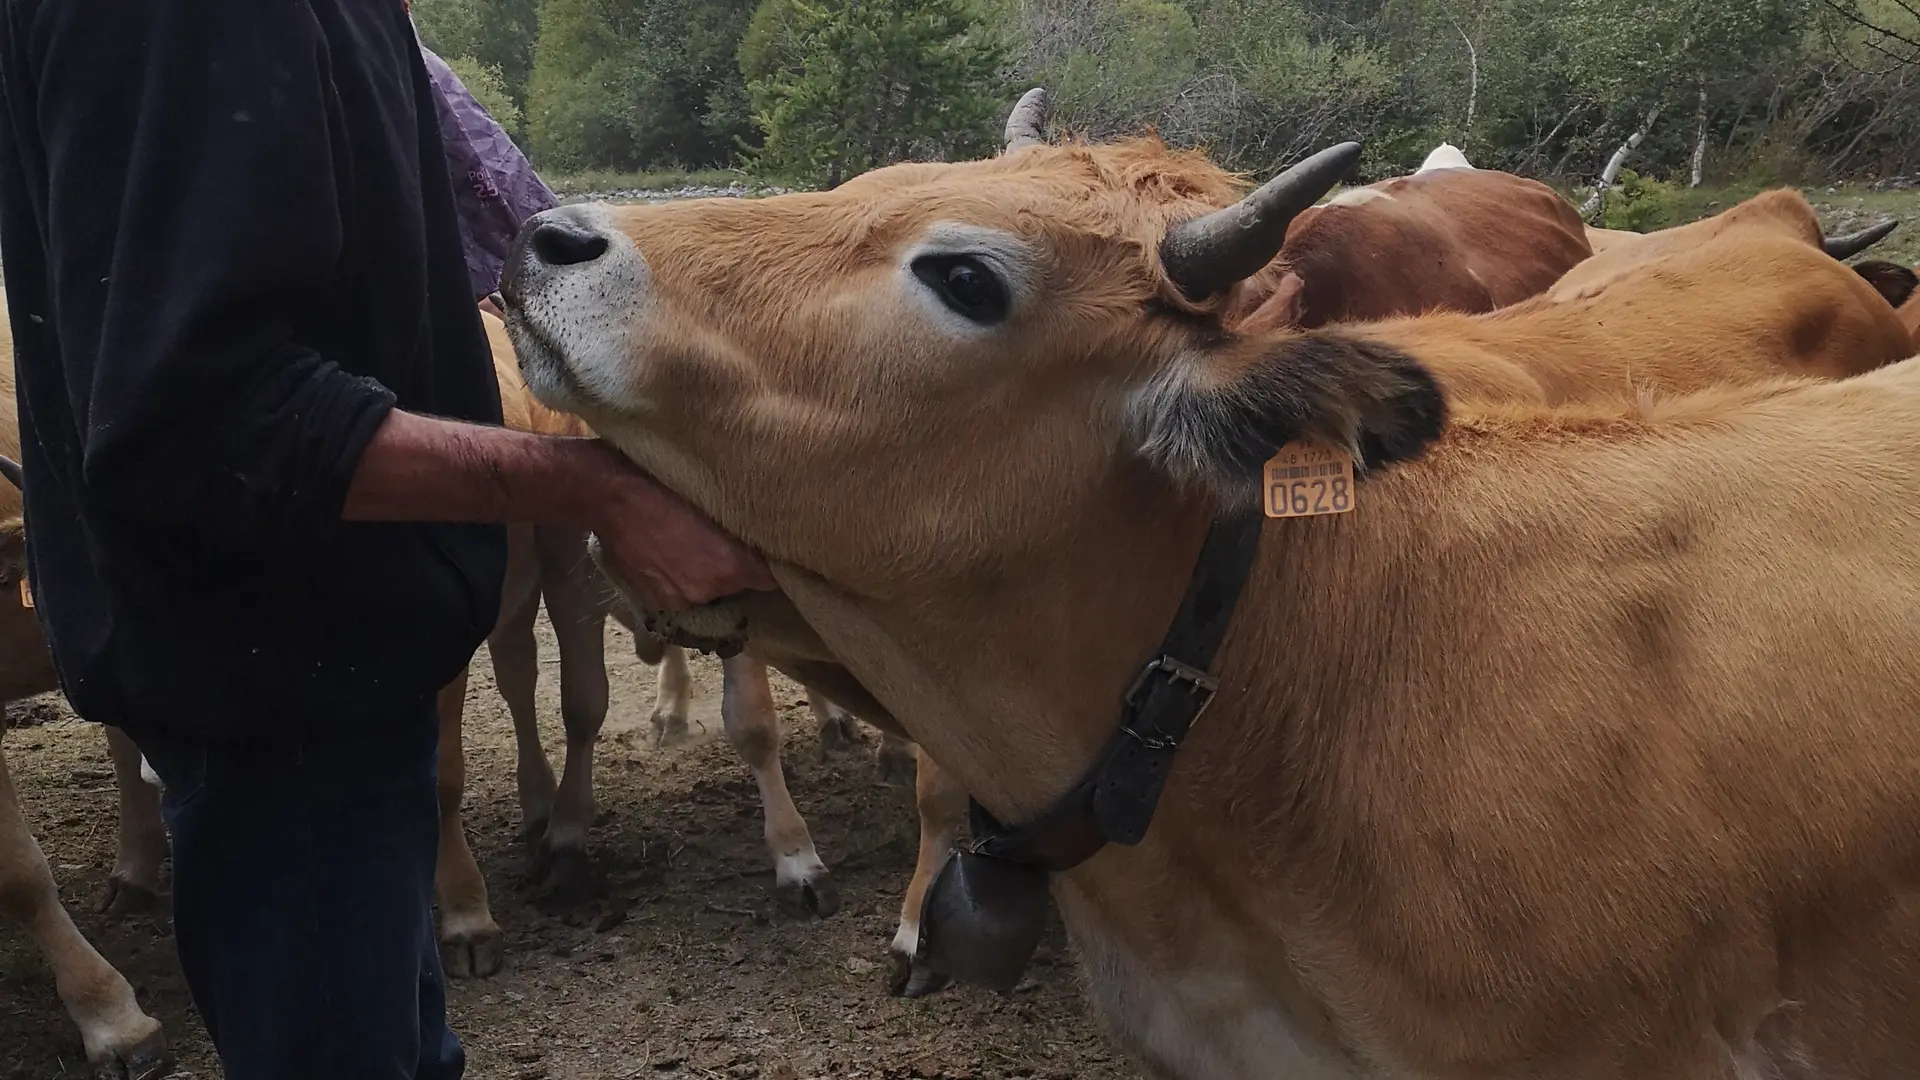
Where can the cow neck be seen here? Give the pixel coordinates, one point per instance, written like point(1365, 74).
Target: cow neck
point(1114, 802)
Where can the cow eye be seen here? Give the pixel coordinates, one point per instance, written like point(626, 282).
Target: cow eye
point(964, 284)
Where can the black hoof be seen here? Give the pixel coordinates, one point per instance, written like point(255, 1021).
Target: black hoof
point(808, 899)
point(908, 979)
point(567, 880)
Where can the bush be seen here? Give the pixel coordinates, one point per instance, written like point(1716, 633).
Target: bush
point(489, 89)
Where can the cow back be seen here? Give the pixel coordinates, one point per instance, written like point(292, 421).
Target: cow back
point(1782, 212)
point(1466, 240)
point(1742, 307)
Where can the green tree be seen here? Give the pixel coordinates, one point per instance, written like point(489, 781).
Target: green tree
point(489, 89)
point(496, 34)
point(841, 86)
point(638, 83)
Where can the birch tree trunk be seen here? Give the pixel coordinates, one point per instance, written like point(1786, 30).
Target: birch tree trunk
point(1699, 134)
point(1619, 158)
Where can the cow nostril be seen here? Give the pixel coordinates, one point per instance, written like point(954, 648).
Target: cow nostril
point(562, 244)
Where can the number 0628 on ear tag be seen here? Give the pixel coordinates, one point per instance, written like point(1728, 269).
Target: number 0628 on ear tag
point(1304, 480)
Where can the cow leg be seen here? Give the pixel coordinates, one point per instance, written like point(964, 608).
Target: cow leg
point(753, 728)
point(134, 886)
point(471, 944)
point(577, 607)
point(943, 807)
point(837, 728)
point(673, 695)
point(895, 760)
point(120, 1040)
point(516, 671)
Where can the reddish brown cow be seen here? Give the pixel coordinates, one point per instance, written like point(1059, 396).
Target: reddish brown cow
point(1449, 236)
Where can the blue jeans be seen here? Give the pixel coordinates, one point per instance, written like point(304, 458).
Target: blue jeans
point(302, 902)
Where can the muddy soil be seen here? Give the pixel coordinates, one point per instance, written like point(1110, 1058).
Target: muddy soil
point(685, 968)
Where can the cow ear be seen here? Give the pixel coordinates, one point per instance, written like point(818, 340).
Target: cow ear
point(1282, 310)
point(1891, 280)
point(1216, 415)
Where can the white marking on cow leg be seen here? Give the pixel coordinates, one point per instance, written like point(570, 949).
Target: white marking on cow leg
point(838, 730)
point(147, 774)
point(895, 759)
point(673, 695)
point(471, 944)
point(576, 607)
point(753, 729)
point(116, 1034)
point(134, 885)
point(942, 803)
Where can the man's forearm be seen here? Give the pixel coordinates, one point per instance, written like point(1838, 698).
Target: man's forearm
point(419, 468)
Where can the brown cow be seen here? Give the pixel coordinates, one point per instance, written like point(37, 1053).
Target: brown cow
point(1774, 308)
point(1581, 747)
point(120, 1040)
point(1745, 304)
point(1448, 237)
point(1782, 211)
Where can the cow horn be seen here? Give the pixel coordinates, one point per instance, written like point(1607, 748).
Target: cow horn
point(1207, 254)
point(10, 469)
point(1846, 247)
point(1027, 123)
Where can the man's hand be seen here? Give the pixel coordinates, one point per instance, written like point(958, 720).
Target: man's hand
point(668, 553)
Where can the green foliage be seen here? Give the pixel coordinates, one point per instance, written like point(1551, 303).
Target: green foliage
point(1641, 204)
point(487, 88)
point(496, 34)
point(841, 86)
point(1787, 90)
point(623, 83)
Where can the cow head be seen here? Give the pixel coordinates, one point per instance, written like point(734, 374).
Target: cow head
point(950, 361)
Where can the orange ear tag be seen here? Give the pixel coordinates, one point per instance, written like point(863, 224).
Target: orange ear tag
point(1305, 480)
point(26, 592)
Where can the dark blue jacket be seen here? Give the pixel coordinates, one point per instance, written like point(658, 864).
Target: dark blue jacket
point(230, 249)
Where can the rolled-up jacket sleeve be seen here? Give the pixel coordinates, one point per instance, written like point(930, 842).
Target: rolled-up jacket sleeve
point(191, 158)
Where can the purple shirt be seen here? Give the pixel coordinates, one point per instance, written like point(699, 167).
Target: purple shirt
point(494, 186)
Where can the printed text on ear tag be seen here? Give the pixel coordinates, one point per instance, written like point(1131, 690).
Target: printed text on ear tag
point(1304, 480)
point(26, 592)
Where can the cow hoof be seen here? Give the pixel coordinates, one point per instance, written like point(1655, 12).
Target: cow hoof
point(669, 729)
point(909, 979)
point(814, 899)
point(148, 1059)
point(473, 956)
point(896, 766)
point(566, 880)
point(533, 834)
point(838, 733)
point(122, 897)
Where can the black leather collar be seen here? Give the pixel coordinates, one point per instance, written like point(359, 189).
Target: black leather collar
point(982, 917)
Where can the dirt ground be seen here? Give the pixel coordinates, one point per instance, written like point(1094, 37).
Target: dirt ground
point(685, 969)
